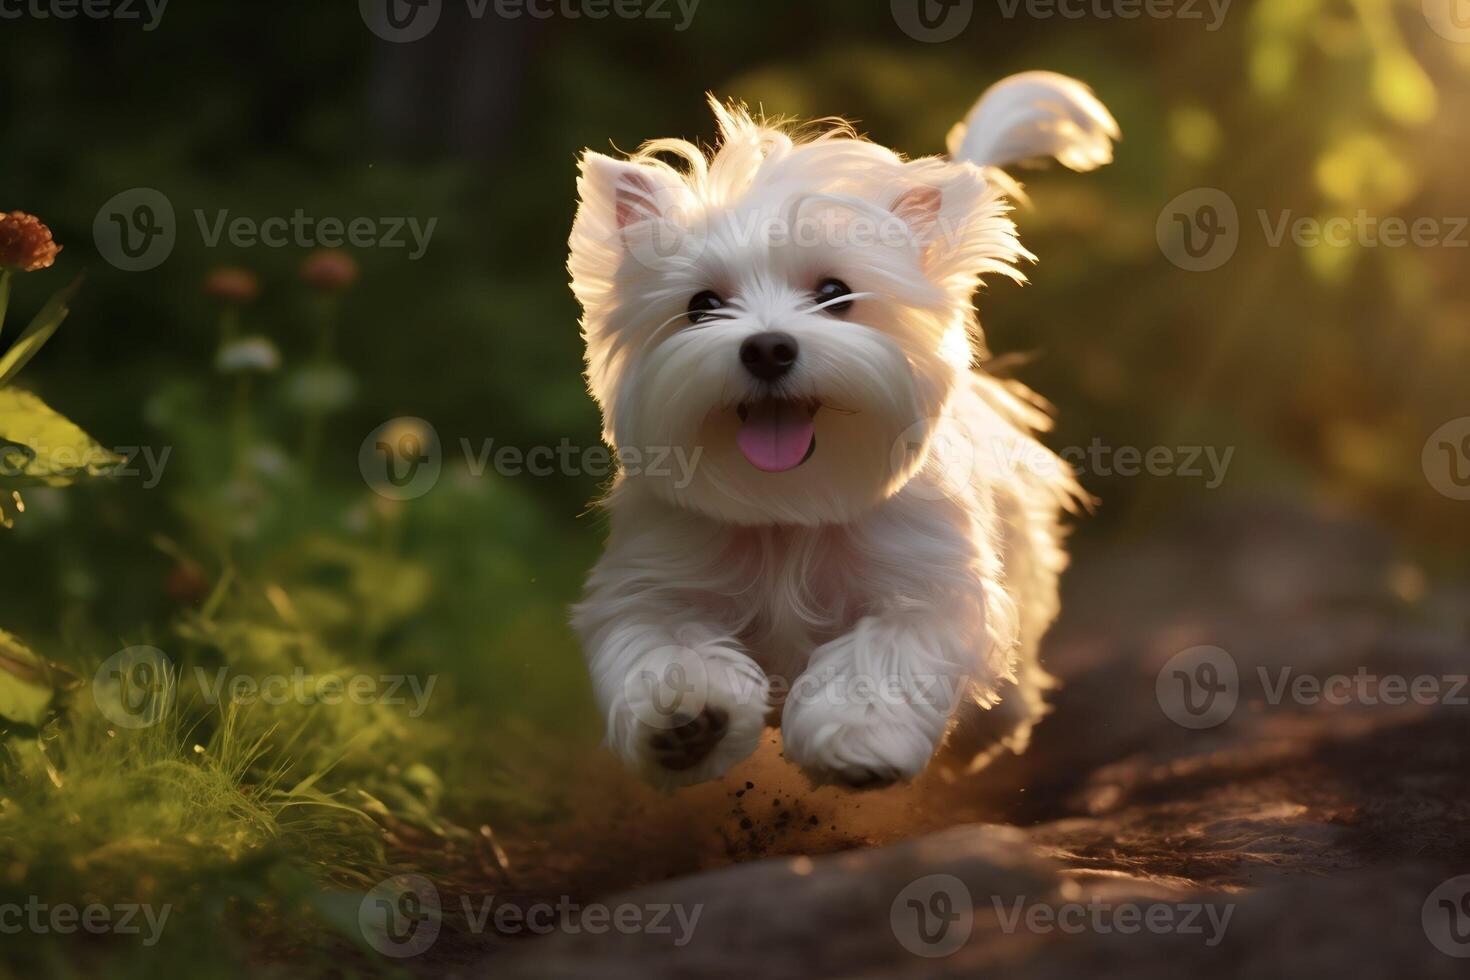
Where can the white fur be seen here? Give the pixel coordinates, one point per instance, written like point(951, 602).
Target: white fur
point(905, 573)
point(1032, 115)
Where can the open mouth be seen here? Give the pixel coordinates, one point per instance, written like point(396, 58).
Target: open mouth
point(777, 434)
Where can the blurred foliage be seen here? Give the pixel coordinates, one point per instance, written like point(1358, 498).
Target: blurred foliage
point(261, 549)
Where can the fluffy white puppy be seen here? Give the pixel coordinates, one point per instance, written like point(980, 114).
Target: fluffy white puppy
point(864, 544)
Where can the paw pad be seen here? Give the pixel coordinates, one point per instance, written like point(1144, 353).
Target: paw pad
point(686, 745)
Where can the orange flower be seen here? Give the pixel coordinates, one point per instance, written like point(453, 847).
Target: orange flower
point(25, 243)
point(329, 270)
point(232, 284)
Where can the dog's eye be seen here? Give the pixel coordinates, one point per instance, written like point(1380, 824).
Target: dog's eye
point(831, 289)
point(702, 305)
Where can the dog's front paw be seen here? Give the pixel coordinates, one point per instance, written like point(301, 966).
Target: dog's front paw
point(860, 755)
point(694, 750)
point(689, 717)
point(853, 746)
point(690, 742)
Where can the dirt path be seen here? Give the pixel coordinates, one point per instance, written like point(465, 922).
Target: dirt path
point(1355, 805)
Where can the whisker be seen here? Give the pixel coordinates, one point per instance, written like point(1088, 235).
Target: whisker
point(838, 301)
point(655, 335)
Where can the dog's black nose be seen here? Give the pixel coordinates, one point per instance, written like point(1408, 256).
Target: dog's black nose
point(768, 355)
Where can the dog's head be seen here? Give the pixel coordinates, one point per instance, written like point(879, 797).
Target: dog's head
point(791, 312)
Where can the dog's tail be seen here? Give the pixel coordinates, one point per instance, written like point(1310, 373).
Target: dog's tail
point(1033, 115)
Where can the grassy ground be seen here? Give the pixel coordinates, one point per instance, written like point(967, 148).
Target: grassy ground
point(268, 693)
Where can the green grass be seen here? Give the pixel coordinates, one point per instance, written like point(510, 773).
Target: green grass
point(260, 825)
point(344, 688)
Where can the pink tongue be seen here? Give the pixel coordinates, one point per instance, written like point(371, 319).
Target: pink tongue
point(776, 435)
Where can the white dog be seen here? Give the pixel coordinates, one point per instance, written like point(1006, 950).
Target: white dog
point(866, 546)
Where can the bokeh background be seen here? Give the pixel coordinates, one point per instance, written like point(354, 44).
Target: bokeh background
point(1323, 369)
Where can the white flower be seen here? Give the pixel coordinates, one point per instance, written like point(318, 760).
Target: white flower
point(248, 354)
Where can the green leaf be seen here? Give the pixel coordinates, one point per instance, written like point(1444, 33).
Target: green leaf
point(39, 447)
point(26, 683)
point(37, 332)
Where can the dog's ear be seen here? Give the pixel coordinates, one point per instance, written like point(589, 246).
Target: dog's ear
point(635, 191)
point(919, 208)
point(620, 194)
point(959, 217)
point(627, 208)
